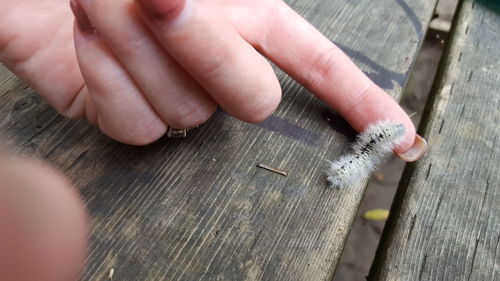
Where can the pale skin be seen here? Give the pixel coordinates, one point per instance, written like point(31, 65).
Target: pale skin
point(134, 68)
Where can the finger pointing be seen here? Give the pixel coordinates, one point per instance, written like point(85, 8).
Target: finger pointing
point(313, 60)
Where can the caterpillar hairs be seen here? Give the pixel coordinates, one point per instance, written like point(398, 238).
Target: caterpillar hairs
point(372, 146)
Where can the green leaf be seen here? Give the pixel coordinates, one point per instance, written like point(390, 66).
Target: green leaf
point(376, 215)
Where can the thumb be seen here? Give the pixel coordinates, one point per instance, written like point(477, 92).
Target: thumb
point(43, 224)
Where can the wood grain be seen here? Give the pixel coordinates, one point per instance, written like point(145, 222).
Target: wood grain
point(446, 217)
point(199, 208)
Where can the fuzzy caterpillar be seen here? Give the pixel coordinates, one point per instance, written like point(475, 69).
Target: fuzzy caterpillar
point(371, 147)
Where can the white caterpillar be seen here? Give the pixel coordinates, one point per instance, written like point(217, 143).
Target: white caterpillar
point(371, 147)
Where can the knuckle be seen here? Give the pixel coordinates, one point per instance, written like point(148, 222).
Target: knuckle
point(140, 132)
point(323, 65)
point(215, 69)
point(139, 137)
point(132, 46)
point(262, 108)
point(191, 115)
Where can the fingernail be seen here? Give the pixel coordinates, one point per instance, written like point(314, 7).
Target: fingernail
point(81, 17)
point(163, 10)
point(416, 151)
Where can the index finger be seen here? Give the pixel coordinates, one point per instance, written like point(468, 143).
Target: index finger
point(315, 62)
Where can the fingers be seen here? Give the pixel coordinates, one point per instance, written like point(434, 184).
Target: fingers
point(200, 39)
point(123, 112)
point(43, 224)
point(305, 54)
point(177, 98)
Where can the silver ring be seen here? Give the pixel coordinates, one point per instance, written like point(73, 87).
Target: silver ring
point(176, 133)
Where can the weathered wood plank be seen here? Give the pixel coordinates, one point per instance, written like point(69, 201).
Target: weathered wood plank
point(198, 208)
point(446, 217)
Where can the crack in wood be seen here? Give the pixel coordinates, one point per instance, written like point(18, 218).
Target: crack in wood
point(441, 126)
point(462, 112)
point(474, 256)
point(412, 225)
point(428, 171)
point(422, 267)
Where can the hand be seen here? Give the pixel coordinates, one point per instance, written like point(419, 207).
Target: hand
point(154, 63)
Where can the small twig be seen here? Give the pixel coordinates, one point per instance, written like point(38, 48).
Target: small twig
point(277, 171)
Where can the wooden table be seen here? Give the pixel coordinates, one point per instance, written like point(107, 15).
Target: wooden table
point(199, 209)
point(446, 215)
